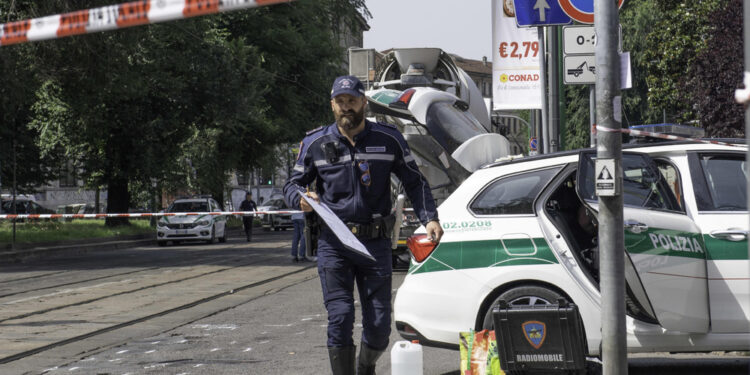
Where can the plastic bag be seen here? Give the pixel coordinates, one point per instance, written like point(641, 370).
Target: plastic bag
point(479, 354)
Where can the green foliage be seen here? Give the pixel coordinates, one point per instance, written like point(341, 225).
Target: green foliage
point(53, 231)
point(716, 72)
point(677, 37)
point(686, 60)
point(181, 103)
point(577, 117)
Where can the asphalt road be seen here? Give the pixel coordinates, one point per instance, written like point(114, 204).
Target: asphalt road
point(234, 308)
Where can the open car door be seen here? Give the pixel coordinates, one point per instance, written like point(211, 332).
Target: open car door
point(665, 263)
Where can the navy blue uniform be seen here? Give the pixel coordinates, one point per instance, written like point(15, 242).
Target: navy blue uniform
point(336, 167)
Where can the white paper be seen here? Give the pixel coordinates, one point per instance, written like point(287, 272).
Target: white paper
point(337, 226)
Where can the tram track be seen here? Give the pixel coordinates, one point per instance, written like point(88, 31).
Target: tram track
point(131, 291)
point(49, 319)
point(205, 300)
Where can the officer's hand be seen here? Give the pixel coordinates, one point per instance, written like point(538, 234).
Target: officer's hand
point(306, 206)
point(434, 231)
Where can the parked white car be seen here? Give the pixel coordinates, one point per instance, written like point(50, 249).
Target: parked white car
point(525, 231)
point(192, 227)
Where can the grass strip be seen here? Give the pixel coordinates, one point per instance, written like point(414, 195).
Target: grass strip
point(60, 230)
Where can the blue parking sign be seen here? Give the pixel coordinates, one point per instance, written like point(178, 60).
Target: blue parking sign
point(539, 13)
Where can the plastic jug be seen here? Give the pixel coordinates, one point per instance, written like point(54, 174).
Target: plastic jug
point(406, 358)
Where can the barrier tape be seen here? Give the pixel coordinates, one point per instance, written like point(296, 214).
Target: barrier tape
point(642, 133)
point(118, 16)
point(159, 214)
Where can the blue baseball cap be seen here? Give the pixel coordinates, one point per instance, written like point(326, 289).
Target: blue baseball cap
point(347, 85)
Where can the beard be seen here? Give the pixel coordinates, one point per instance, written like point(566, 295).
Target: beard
point(350, 119)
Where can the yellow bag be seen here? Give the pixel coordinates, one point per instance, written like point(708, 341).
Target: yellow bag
point(479, 354)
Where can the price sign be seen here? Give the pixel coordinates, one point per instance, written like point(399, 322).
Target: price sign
point(517, 51)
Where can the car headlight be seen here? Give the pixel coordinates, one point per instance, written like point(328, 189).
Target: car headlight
point(161, 224)
point(202, 223)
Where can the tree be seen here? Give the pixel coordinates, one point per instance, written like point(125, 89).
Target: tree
point(20, 157)
point(184, 102)
point(716, 72)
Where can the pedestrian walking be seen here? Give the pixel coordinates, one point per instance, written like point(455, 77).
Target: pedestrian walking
point(247, 220)
point(350, 162)
point(298, 240)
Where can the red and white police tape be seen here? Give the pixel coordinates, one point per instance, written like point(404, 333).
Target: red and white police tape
point(595, 128)
point(134, 215)
point(118, 16)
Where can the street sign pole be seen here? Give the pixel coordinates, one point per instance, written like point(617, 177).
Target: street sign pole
point(554, 109)
point(746, 41)
point(592, 114)
point(609, 148)
point(543, 80)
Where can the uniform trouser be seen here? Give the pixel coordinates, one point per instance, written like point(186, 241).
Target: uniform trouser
point(338, 268)
point(247, 222)
point(298, 240)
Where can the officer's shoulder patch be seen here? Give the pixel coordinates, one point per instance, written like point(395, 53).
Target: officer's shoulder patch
point(315, 130)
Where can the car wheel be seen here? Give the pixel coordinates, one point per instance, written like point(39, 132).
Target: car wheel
point(162, 243)
point(223, 237)
point(521, 296)
point(213, 236)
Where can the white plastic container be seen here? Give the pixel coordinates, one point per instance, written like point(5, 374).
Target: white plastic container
point(406, 358)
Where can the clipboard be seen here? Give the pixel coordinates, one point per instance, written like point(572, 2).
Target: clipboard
point(338, 227)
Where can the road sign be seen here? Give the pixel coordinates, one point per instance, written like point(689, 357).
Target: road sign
point(605, 171)
point(532, 144)
point(581, 40)
point(539, 13)
point(581, 10)
point(579, 69)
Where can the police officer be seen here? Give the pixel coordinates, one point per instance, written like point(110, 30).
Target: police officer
point(247, 221)
point(350, 163)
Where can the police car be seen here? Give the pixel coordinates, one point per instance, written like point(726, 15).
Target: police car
point(192, 227)
point(525, 231)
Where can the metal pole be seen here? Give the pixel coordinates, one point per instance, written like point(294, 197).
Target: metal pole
point(15, 185)
point(746, 41)
point(592, 114)
point(611, 236)
point(543, 84)
point(554, 109)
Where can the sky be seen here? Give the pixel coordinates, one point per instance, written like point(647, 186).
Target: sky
point(459, 27)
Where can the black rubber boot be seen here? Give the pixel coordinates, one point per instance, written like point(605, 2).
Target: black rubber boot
point(342, 360)
point(367, 359)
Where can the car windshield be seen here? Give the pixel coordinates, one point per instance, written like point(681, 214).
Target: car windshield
point(189, 207)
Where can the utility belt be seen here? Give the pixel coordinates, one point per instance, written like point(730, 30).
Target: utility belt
point(381, 227)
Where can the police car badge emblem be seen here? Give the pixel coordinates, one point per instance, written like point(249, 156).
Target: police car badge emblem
point(535, 332)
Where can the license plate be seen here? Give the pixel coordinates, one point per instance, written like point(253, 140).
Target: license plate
point(182, 231)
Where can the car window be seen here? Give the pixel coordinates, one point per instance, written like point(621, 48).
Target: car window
point(643, 185)
point(277, 204)
point(672, 177)
point(188, 207)
point(726, 183)
point(512, 195)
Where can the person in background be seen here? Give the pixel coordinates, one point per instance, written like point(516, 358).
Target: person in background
point(298, 241)
point(247, 220)
point(350, 163)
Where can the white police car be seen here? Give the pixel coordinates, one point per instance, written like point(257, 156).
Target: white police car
point(192, 227)
point(525, 231)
